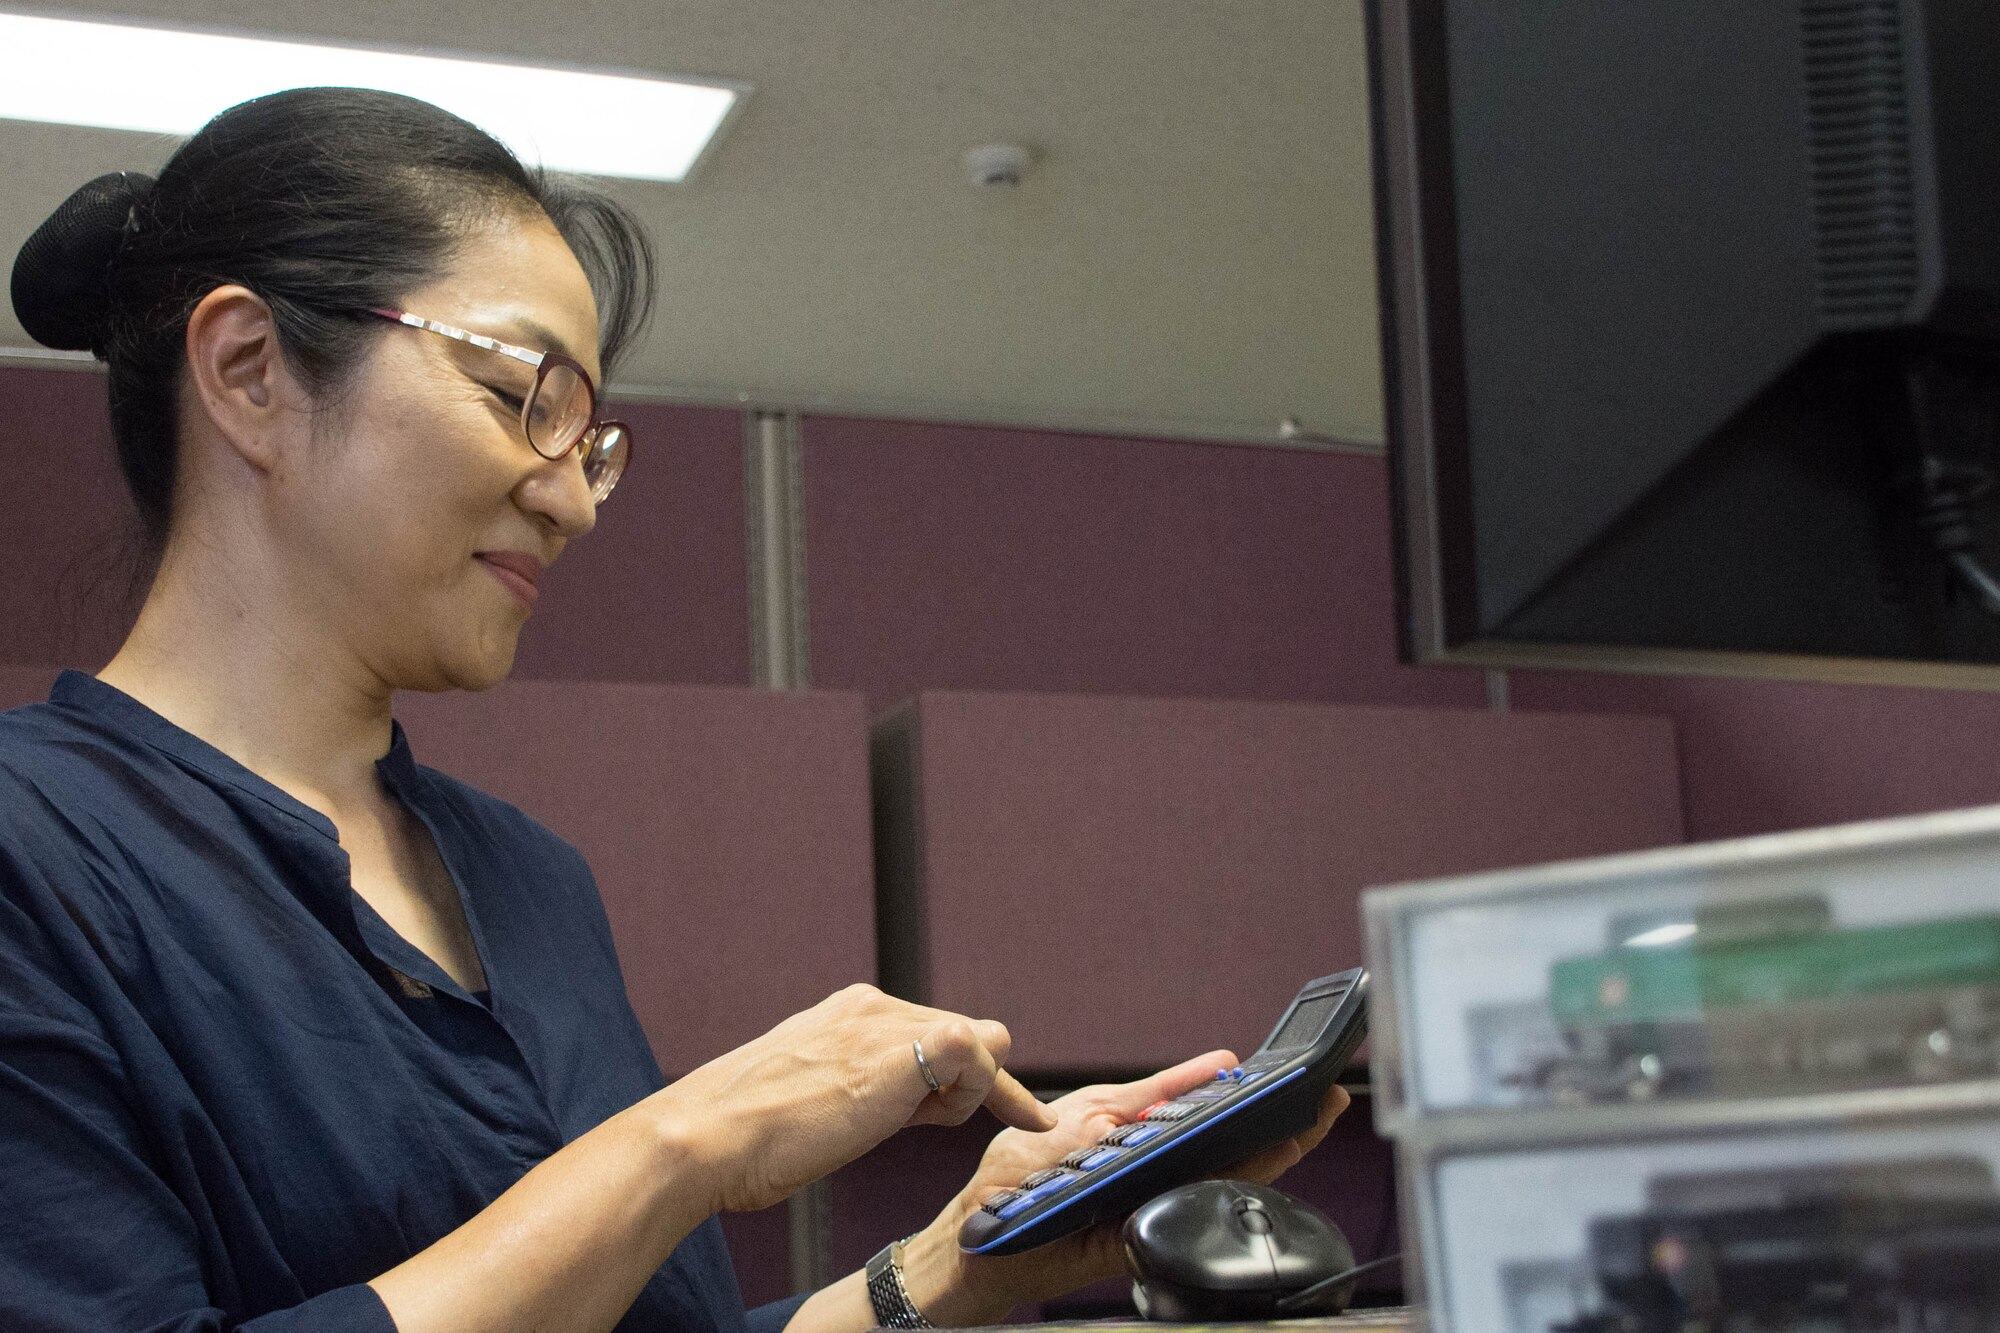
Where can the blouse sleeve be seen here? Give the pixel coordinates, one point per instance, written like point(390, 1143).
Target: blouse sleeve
point(772, 1318)
point(92, 1237)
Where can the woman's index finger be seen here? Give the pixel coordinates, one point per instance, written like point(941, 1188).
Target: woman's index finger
point(1010, 1100)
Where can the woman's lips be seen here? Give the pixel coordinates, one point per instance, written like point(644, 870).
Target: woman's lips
point(515, 570)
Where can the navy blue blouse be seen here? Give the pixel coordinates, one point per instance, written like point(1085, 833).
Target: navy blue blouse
point(230, 1094)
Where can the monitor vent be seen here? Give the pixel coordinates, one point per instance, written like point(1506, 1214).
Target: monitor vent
point(1864, 197)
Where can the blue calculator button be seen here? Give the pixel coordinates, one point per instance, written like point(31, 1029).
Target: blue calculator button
point(1206, 1094)
point(1020, 1203)
point(1099, 1158)
point(1029, 1198)
point(1141, 1134)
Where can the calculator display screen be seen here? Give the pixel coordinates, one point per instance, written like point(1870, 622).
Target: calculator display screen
point(1306, 1021)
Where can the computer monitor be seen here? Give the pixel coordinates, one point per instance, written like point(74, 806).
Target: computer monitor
point(1691, 315)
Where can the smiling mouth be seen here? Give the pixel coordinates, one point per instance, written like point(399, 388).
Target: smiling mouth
point(514, 580)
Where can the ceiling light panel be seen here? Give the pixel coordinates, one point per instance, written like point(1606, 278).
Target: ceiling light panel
point(159, 81)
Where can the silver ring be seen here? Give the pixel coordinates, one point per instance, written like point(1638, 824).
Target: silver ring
point(924, 1066)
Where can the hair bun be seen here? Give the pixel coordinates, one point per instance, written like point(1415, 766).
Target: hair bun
point(62, 277)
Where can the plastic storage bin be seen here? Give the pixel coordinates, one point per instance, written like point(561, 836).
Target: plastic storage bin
point(1878, 1226)
point(1846, 960)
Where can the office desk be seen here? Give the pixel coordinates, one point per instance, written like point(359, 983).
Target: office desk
point(1358, 1321)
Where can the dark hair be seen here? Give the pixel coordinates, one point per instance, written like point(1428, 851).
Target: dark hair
point(323, 201)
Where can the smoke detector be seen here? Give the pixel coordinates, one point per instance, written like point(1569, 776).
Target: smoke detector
point(996, 164)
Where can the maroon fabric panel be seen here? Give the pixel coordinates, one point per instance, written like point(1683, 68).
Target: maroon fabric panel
point(66, 521)
point(659, 592)
point(728, 829)
point(1127, 882)
point(965, 557)
point(1760, 756)
point(760, 1247)
point(24, 684)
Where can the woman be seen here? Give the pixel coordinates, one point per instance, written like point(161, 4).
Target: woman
point(294, 1033)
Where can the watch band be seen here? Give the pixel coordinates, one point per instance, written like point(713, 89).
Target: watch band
point(887, 1292)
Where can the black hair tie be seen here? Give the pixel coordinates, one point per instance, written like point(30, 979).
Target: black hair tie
point(62, 277)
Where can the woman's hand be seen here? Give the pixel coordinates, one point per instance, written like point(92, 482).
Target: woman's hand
point(826, 1085)
point(954, 1288)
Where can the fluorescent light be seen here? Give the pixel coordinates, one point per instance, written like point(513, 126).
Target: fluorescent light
point(157, 81)
point(1671, 933)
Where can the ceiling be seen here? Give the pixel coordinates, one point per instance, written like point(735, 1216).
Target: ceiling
point(1190, 255)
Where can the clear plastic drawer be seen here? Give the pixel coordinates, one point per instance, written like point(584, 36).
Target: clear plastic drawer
point(1859, 957)
point(1885, 1228)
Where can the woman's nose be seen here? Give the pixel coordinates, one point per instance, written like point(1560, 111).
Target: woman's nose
point(558, 493)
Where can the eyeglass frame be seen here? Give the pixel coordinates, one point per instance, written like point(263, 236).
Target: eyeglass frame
point(543, 362)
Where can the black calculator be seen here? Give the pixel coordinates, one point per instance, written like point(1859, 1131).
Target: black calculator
point(1268, 1098)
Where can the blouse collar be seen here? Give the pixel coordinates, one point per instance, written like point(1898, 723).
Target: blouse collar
point(93, 697)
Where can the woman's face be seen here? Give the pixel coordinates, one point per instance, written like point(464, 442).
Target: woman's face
point(420, 516)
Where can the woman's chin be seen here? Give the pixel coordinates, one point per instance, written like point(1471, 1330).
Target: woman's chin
point(487, 669)
point(478, 663)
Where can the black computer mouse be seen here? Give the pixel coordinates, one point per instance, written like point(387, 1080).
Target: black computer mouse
point(1227, 1249)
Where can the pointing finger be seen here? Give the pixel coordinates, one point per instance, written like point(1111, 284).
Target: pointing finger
point(1016, 1106)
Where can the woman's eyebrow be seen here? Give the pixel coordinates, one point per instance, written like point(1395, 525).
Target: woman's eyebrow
point(533, 333)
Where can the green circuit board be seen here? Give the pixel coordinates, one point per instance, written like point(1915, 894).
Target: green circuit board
point(1682, 982)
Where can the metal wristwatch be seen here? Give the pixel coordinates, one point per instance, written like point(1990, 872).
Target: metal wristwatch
point(887, 1292)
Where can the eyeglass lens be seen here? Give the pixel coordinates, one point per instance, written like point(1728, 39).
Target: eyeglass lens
point(604, 459)
point(559, 410)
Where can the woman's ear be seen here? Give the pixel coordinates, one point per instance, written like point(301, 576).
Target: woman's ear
point(240, 378)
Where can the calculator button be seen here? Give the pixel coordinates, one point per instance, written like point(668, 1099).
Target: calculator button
point(1020, 1203)
point(1042, 1177)
point(1000, 1200)
point(1099, 1157)
point(1139, 1134)
point(1206, 1094)
point(1147, 1114)
point(1029, 1198)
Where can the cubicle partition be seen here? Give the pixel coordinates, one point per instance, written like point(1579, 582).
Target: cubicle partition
point(1127, 882)
point(24, 684)
point(1130, 881)
point(728, 830)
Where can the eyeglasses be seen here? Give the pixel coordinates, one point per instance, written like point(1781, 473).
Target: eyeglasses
point(559, 413)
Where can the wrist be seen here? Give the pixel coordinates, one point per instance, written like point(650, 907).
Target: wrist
point(687, 1150)
point(950, 1291)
